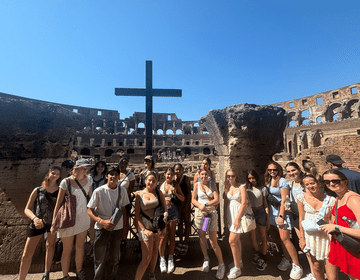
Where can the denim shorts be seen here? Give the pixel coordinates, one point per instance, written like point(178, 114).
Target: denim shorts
point(260, 216)
point(172, 213)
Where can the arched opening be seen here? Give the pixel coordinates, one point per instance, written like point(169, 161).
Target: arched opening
point(160, 132)
point(130, 131)
point(206, 151)
point(306, 122)
point(130, 151)
point(187, 151)
point(178, 132)
point(319, 119)
point(292, 124)
point(85, 152)
point(169, 132)
point(109, 152)
point(290, 147)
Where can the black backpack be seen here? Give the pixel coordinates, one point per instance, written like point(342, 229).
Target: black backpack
point(158, 219)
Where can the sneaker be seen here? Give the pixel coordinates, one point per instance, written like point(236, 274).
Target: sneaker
point(162, 265)
point(234, 273)
point(284, 264)
point(66, 277)
point(171, 266)
point(261, 265)
point(152, 276)
point(296, 272)
point(255, 258)
point(206, 265)
point(310, 276)
point(80, 275)
point(231, 265)
point(221, 271)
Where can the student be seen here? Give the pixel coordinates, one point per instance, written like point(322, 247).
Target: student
point(108, 235)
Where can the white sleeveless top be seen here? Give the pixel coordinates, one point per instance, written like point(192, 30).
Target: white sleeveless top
point(202, 197)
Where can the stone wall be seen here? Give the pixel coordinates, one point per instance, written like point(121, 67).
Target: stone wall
point(34, 136)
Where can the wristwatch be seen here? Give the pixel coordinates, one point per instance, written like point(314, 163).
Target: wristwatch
point(281, 216)
point(205, 205)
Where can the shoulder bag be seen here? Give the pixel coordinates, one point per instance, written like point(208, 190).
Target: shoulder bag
point(349, 243)
point(117, 213)
point(158, 220)
point(66, 215)
point(311, 225)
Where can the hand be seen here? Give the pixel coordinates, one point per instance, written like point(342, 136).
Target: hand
point(280, 221)
point(53, 230)
point(166, 214)
point(148, 233)
point(106, 224)
point(237, 223)
point(268, 223)
point(302, 243)
point(328, 228)
point(39, 224)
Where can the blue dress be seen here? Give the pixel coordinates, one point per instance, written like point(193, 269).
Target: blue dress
point(274, 211)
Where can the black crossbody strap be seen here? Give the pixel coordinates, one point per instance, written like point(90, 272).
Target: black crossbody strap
point(82, 189)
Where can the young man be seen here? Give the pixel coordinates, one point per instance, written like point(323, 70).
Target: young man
point(108, 235)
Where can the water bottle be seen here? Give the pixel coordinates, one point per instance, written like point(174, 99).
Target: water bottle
point(287, 203)
point(351, 223)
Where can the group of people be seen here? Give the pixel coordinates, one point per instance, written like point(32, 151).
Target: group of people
point(280, 206)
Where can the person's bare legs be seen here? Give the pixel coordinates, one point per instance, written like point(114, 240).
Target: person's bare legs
point(172, 233)
point(289, 246)
point(163, 241)
point(234, 241)
point(317, 268)
point(50, 250)
point(147, 248)
point(202, 240)
point(65, 257)
point(215, 246)
point(79, 250)
point(29, 249)
point(331, 271)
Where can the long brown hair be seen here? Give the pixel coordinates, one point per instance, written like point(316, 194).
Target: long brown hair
point(227, 183)
point(279, 174)
point(45, 182)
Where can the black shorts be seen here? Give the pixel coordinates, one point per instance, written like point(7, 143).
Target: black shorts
point(35, 232)
point(260, 216)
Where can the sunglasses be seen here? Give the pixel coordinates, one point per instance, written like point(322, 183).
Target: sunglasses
point(231, 176)
point(272, 170)
point(335, 182)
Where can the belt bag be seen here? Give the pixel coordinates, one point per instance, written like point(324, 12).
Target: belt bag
point(310, 225)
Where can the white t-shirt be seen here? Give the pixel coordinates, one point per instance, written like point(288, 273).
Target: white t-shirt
point(125, 183)
point(103, 201)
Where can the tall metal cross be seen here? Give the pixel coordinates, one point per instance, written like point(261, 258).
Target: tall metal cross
point(149, 92)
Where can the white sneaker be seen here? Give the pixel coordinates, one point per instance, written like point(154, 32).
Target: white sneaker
point(231, 265)
point(162, 265)
point(296, 272)
point(220, 272)
point(284, 264)
point(206, 265)
point(171, 266)
point(310, 276)
point(234, 273)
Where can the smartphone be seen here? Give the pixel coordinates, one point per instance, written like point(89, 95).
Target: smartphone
point(321, 222)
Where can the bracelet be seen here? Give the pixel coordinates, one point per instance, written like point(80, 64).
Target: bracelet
point(281, 216)
point(34, 218)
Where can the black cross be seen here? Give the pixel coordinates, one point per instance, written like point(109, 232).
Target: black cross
point(149, 92)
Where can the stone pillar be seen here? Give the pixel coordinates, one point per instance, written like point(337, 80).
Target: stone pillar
point(183, 142)
point(154, 142)
point(115, 127)
point(114, 143)
point(103, 142)
point(78, 141)
point(92, 141)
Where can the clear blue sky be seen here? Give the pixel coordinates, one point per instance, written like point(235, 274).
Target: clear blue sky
point(220, 53)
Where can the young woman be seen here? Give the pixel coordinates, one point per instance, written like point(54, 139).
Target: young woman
point(205, 164)
point(257, 195)
point(348, 205)
point(184, 210)
point(205, 197)
point(236, 202)
point(278, 191)
point(168, 188)
point(316, 245)
point(79, 177)
point(146, 201)
point(98, 174)
point(127, 181)
point(39, 209)
point(149, 167)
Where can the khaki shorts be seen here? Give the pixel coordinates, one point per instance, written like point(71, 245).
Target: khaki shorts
point(199, 219)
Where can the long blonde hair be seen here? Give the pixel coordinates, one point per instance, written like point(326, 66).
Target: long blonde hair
point(227, 183)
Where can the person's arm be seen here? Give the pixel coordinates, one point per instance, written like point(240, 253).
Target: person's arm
point(266, 207)
point(131, 187)
point(280, 219)
point(39, 223)
point(244, 200)
point(302, 241)
point(163, 203)
point(178, 192)
point(216, 199)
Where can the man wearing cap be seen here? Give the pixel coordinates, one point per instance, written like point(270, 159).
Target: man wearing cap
point(354, 177)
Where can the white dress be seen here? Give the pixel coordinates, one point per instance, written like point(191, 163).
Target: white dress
point(82, 221)
point(318, 243)
point(233, 209)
